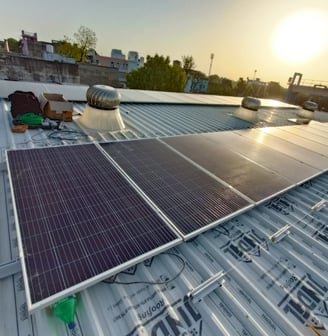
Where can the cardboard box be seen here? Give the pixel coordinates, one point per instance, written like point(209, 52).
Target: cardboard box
point(55, 106)
point(19, 128)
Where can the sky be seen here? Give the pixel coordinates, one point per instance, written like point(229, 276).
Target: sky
point(269, 40)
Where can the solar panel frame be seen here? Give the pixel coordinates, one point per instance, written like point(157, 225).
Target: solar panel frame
point(62, 233)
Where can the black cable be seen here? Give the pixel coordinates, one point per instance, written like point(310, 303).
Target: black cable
point(153, 282)
point(32, 139)
point(57, 135)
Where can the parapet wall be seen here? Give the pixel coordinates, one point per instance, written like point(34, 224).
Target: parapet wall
point(16, 67)
point(91, 74)
point(21, 68)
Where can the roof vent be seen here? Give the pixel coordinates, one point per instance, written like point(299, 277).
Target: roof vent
point(251, 103)
point(102, 111)
point(248, 110)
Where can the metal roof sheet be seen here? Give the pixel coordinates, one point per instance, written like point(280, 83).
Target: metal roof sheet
point(74, 92)
point(70, 91)
point(268, 286)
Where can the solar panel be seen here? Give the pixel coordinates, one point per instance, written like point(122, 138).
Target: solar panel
point(189, 197)
point(316, 125)
point(249, 178)
point(282, 164)
point(313, 128)
point(293, 150)
point(79, 220)
point(298, 140)
point(307, 134)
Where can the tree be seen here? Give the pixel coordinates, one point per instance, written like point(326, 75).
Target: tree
point(85, 39)
point(157, 74)
point(14, 45)
point(214, 79)
point(275, 91)
point(68, 48)
point(220, 86)
point(188, 64)
point(240, 86)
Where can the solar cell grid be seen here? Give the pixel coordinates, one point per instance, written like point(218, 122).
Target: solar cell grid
point(313, 129)
point(291, 149)
point(306, 133)
point(78, 217)
point(249, 178)
point(189, 197)
point(257, 152)
point(298, 140)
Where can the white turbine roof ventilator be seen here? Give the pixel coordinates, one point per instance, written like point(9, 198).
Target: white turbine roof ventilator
point(102, 110)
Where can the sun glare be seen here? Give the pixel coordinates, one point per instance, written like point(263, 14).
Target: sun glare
point(301, 36)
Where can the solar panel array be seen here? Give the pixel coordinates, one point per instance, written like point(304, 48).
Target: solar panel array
point(78, 217)
point(86, 212)
point(189, 197)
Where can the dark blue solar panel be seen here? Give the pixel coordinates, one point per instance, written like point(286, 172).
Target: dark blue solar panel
point(78, 217)
point(249, 178)
point(189, 197)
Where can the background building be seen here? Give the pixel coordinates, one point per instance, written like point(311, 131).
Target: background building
point(118, 61)
point(134, 62)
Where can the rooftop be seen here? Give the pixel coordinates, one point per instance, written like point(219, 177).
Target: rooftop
point(263, 272)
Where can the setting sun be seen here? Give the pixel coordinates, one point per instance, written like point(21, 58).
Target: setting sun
point(300, 36)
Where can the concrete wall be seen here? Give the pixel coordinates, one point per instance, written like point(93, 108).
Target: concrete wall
point(16, 67)
point(91, 74)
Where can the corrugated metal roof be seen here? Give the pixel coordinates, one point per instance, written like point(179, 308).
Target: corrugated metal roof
point(266, 288)
point(74, 92)
point(70, 91)
point(161, 120)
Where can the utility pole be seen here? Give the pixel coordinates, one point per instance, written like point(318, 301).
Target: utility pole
point(255, 71)
point(209, 72)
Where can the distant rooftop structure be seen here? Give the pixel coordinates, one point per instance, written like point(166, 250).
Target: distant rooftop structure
point(118, 61)
point(195, 85)
point(134, 61)
point(31, 47)
point(133, 56)
point(301, 90)
point(33, 37)
point(117, 53)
